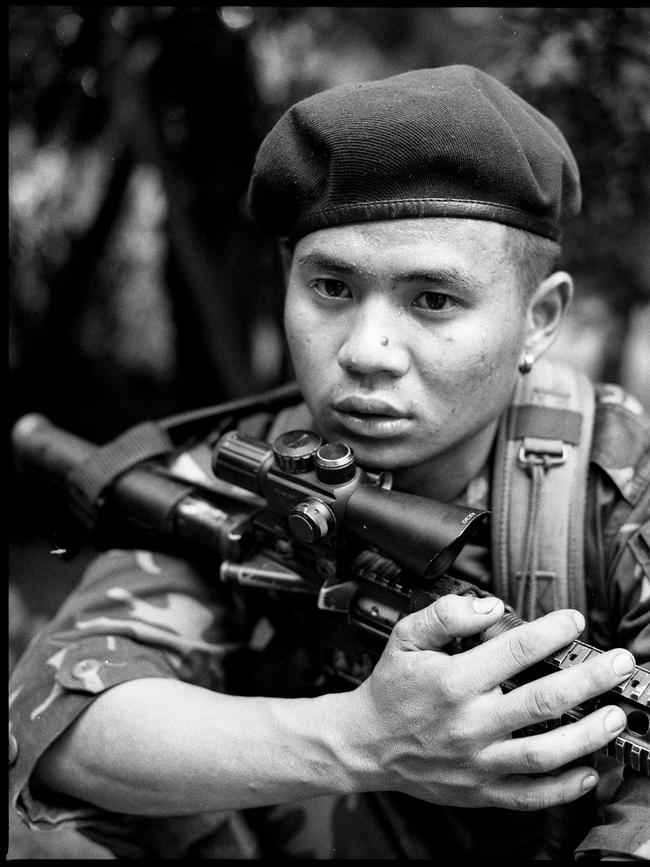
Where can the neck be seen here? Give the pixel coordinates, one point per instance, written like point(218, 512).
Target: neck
point(446, 476)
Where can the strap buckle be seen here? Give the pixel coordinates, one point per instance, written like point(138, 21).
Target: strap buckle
point(546, 453)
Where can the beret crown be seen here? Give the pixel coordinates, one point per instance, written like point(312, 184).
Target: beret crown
point(445, 142)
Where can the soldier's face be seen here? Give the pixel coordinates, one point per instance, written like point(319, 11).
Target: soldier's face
point(405, 337)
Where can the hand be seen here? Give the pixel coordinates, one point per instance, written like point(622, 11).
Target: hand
point(438, 727)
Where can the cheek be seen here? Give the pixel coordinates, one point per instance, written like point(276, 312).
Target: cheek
point(303, 340)
point(474, 366)
point(496, 358)
point(294, 333)
point(493, 377)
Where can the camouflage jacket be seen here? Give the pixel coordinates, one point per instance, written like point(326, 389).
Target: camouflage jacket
point(147, 614)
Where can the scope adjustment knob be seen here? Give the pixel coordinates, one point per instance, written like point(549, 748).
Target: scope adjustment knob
point(335, 463)
point(311, 520)
point(294, 450)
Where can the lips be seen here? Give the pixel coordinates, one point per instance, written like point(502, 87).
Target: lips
point(369, 406)
point(371, 418)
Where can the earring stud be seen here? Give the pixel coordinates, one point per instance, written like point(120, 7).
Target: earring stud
point(526, 363)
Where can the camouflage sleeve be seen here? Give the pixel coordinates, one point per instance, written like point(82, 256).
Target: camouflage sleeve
point(134, 614)
point(623, 453)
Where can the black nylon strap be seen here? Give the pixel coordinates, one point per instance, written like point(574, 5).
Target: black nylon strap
point(87, 480)
point(153, 438)
point(529, 420)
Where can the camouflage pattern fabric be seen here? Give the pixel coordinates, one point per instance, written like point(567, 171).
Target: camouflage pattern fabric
point(146, 614)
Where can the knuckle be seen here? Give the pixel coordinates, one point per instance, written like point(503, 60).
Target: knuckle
point(543, 703)
point(529, 799)
point(522, 647)
point(449, 685)
point(461, 741)
point(524, 800)
point(533, 761)
point(454, 743)
point(443, 610)
point(467, 754)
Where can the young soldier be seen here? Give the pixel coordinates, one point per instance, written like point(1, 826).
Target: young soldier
point(420, 216)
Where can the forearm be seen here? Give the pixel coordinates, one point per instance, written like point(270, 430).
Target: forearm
point(433, 726)
point(163, 747)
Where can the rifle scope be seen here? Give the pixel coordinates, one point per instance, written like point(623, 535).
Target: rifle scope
point(318, 487)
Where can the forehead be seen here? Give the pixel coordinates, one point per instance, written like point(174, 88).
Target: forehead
point(386, 244)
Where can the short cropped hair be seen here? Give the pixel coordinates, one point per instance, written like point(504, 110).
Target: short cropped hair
point(534, 258)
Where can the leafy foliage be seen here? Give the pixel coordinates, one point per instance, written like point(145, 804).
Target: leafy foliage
point(136, 278)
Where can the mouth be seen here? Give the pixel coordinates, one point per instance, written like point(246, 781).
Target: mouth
point(371, 416)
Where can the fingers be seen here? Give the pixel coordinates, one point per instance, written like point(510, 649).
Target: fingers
point(505, 655)
point(524, 794)
point(548, 697)
point(544, 752)
point(447, 618)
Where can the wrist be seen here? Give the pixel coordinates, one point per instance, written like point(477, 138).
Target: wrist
point(357, 741)
point(329, 737)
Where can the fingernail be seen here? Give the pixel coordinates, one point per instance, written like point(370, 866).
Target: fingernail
point(623, 664)
point(579, 620)
point(589, 782)
point(485, 604)
point(615, 720)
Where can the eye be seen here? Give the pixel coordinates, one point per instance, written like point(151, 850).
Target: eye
point(330, 288)
point(434, 301)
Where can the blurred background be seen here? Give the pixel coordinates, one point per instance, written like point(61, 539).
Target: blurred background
point(138, 286)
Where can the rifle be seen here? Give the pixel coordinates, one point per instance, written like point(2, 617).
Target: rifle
point(296, 517)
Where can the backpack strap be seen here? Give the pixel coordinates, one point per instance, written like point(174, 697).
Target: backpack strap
point(539, 491)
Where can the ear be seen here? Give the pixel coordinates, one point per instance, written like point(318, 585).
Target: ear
point(545, 311)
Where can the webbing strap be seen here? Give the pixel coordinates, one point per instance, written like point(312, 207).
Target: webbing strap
point(545, 423)
point(539, 491)
point(150, 439)
point(89, 478)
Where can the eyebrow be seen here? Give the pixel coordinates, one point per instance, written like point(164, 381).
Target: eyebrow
point(436, 276)
point(323, 260)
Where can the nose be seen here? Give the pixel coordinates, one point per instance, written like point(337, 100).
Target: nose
point(373, 344)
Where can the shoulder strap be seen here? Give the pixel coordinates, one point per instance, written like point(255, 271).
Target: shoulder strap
point(539, 491)
point(87, 480)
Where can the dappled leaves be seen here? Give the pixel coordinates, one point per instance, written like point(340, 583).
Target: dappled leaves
point(179, 301)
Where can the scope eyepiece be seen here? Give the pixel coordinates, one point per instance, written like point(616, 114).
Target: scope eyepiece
point(241, 460)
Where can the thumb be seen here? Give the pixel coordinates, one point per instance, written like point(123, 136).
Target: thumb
point(449, 617)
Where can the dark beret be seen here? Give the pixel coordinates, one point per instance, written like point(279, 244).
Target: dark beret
point(445, 142)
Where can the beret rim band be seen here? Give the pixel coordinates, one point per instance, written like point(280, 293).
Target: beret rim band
point(395, 209)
